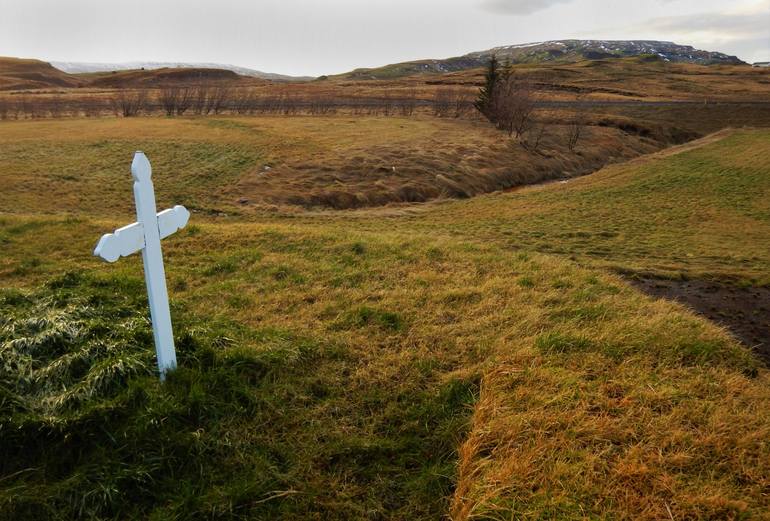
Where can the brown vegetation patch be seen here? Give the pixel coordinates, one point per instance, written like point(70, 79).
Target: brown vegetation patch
point(460, 159)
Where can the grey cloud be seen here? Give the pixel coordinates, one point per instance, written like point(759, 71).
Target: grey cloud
point(745, 34)
point(516, 7)
point(726, 25)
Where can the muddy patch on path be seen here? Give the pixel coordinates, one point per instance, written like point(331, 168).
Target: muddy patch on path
point(745, 312)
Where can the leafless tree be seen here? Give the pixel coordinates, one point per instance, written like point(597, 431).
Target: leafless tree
point(512, 106)
point(184, 100)
point(168, 96)
point(532, 137)
point(176, 100)
point(577, 124)
point(408, 103)
point(29, 107)
point(442, 103)
point(199, 103)
point(7, 109)
point(462, 102)
point(55, 106)
point(220, 98)
point(128, 103)
point(388, 104)
point(290, 103)
point(241, 101)
point(91, 107)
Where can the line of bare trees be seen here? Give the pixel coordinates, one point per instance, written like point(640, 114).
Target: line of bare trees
point(219, 98)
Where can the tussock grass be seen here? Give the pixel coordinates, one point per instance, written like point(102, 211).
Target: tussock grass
point(87, 431)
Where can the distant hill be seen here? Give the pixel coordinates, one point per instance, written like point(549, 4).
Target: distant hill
point(19, 73)
point(552, 51)
point(159, 77)
point(86, 67)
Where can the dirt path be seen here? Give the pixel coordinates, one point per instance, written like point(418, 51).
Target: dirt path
point(745, 312)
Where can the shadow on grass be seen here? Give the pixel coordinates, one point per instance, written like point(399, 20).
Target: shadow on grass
point(253, 424)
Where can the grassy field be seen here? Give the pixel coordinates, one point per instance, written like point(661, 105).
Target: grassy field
point(483, 358)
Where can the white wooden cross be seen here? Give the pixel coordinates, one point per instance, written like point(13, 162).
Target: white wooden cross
point(145, 235)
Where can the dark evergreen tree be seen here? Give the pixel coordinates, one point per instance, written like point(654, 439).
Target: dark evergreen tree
point(484, 101)
point(505, 71)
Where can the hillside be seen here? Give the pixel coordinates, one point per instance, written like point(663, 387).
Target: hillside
point(90, 67)
point(17, 73)
point(561, 51)
point(159, 77)
point(486, 358)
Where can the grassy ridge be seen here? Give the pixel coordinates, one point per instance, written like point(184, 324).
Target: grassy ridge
point(397, 344)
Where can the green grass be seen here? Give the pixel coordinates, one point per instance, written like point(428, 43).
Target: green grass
point(474, 357)
point(700, 213)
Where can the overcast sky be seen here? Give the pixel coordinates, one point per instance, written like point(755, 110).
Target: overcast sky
point(313, 37)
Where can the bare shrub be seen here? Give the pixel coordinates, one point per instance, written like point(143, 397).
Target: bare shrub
point(442, 103)
point(8, 109)
point(167, 97)
point(408, 103)
point(241, 101)
point(176, 100)
point(55, 106)
point(462, 103)
point(290, 103)
point(512, 106)
point(268, 104)
point(358, 107)
point(577, 124)
point(532, 137)
point(321, 106)
point(387, 105)
point(29, 107)
point(199, 100)
point(184, 100)
point(91, 107)
point(221, 98)
point(127, 103)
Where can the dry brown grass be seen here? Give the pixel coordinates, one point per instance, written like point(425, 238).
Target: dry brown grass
point(567, 427)
point(242, 164)
point(374, 161)
point(17, 73)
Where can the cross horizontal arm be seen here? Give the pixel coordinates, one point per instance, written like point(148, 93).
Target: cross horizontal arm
point(130, 239)
point(122, 243)
point(172, 220)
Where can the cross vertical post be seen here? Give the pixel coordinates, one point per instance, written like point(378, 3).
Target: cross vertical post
point(145, 235)
point(152, 258)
